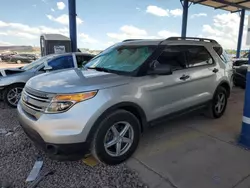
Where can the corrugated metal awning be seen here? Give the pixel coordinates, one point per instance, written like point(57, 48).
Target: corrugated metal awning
point(228, 5)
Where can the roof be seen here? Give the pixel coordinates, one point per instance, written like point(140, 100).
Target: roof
point(228, 5)
point(142, 41)
point(175, 40)
point(55, 37)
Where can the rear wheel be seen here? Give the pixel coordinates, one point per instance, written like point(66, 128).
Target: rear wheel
point(12, 94)
point(236, 84)
point(218, 105)
point(243, 85)
point(116, 138)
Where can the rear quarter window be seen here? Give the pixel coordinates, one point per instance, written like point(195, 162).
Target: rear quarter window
point(222, 54)
point(198, 56)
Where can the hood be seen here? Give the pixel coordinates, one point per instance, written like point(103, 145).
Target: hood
point(240, 62)
point(11, 76)
point(75, 80)
point(240, 59)
point(7, 72)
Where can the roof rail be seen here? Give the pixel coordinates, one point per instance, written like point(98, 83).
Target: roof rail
point(193, 38)
point(127, 40)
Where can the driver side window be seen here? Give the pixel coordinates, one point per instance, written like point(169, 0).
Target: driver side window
point(82, 60)
point(63, 62)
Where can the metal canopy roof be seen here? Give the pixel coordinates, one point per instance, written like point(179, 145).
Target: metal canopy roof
point(228, 5)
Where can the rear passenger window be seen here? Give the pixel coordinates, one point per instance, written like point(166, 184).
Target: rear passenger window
point(198, 56)
point(185, 56)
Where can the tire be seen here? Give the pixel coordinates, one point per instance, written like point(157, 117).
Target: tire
point(236, 84)
point(18, 61)
point(7, 94)
point(105, 134)
point(213, 110)
point(243, 86)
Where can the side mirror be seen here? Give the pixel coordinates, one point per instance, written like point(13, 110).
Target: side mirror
point(160, 69)
point(47, 68)
point(84, 63)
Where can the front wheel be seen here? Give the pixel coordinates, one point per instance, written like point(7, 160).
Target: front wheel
point(12, 94)
point(218, 105)
point(116, 138)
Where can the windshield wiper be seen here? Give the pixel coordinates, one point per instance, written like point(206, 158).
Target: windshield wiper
point(99, 69)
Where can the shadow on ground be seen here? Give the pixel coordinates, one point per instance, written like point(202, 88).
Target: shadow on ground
point(195, 151)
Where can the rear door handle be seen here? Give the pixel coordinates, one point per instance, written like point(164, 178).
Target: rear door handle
point(184, 77)
point(215, 70)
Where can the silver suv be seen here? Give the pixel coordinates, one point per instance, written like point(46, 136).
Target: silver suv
point(104, 108)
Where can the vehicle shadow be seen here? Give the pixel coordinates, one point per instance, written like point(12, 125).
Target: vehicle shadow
point(192, 126)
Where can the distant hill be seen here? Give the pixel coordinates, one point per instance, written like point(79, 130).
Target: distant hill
point(95, 52)
point(17, 48)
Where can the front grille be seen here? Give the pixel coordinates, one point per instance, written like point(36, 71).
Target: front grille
point(35, 101)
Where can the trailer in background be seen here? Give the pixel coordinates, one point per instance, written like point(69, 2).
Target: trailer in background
point(54, 44)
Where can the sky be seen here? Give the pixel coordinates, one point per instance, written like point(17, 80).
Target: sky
point(101, 23)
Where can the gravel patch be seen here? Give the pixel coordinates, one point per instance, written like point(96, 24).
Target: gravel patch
point(18, 155)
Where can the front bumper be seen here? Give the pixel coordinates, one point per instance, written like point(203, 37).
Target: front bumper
point(1, 92)
point(63, 131)
point(73, 151)
point(69, 127)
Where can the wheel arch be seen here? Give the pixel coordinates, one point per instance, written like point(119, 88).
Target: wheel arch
point(225, 85)
point(12, 84)
point(17, 83)
point(4, 92)
point(128, 106)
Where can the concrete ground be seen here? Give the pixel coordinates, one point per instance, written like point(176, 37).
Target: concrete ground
point(195, 152)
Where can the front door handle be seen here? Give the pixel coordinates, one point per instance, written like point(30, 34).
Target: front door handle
point(215, 70)
point(184, 77)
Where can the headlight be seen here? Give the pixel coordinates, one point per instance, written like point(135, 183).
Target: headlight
point(61, 103)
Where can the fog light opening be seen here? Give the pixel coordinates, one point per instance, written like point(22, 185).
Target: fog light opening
point(51, 149)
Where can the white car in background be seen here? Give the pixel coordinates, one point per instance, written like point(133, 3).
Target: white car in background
point(12, 81)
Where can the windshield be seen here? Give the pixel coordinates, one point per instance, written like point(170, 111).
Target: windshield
point(38, 62)
point(245, 55)
point(121, 58)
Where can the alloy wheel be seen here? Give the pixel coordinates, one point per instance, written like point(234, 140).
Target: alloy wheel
point(119, 139)
point(14, 95)
point(220, 103)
